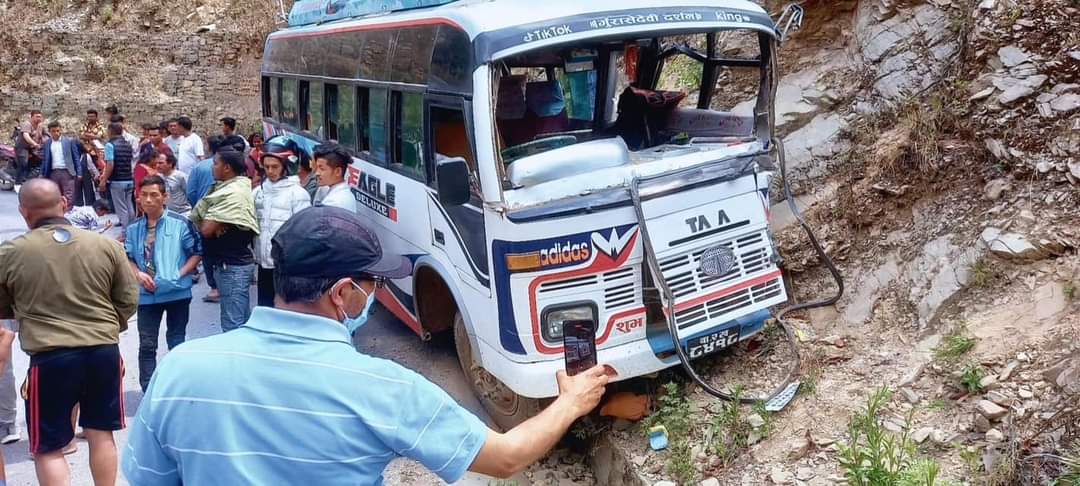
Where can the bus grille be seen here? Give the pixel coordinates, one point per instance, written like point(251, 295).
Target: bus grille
point(728, 303)
point(621, 287)
point(684, 277)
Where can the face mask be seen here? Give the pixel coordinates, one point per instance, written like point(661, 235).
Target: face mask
point(352, 324)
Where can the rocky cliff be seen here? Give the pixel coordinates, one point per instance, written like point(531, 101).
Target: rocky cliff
point(153, 59)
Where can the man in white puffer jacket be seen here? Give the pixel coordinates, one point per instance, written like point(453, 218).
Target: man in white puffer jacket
point(277, 199)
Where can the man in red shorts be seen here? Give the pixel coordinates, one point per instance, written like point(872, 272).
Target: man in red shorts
point(73, 292)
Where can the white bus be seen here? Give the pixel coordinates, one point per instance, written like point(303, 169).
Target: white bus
point(604, 160)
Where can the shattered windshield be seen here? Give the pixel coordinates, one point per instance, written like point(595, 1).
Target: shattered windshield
point(647, 92)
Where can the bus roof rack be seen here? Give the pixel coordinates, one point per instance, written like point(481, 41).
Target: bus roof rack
point(309, 12)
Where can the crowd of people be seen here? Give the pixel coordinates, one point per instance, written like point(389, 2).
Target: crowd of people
point(254, 404)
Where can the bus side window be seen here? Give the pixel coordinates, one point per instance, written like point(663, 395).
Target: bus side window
point(289, 113)
point(275, 98)
point(376, 126)
point(267, 97)
point(312, 99)
point(341, 115)
point(450, 138)
point(408, 141)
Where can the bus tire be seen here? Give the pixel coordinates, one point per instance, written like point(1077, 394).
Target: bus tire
point(506, 408)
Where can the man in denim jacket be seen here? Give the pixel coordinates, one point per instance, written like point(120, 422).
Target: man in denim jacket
point(164, 249)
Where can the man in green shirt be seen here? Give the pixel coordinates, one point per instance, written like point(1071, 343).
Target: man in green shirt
point(70, 324)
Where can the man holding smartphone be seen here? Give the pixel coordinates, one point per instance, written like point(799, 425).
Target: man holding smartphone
point(287, 399)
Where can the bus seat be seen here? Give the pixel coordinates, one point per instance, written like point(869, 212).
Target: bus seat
point(547, 104)
point(642, 112)
point(452, 141)
point(511, 111)
point(511, 102)
point(545, 98)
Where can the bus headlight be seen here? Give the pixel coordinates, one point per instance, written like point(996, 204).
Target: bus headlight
point(554, 316)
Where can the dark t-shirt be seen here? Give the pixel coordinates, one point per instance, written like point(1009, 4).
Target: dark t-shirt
point(231, 248)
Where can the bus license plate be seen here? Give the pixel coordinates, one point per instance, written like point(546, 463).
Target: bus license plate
point(711, 343)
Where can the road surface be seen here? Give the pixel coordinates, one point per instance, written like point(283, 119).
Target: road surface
point(383, 336)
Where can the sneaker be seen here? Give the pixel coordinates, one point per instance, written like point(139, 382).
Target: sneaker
point(11, 434)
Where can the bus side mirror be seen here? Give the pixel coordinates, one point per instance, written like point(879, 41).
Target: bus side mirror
point(453, 177)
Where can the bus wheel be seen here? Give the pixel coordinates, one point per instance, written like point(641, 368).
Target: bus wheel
point(506, 408)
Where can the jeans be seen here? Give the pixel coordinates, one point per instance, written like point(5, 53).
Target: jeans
point(123, 204)
point(266, 287)
point(9, 398)
point(149, 322)
point(234, 283)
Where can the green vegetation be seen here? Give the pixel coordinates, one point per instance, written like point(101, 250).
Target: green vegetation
point(971, 378)
point(770, 424)
point(873, 456)
point(954, 345)
point(1070, 471)
point(981, 273)
point(731, 434)
point(938, 404)
point(972, 459)
point(1070, 290)
point(674, 414)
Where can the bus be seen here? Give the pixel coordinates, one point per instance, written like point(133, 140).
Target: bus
point(604, 160)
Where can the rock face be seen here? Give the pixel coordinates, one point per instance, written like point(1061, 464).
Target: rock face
point(908, 50)
point(205, 76)
point(1066, 376)
point(1017, 246)
point(942, 270)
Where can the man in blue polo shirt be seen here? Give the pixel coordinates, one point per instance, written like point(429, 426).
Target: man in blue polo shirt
point(286, 399)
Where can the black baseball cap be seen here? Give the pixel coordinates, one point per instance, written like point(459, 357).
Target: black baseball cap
point(330, 242)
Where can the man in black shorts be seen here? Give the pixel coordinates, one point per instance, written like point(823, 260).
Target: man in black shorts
point(73, 292)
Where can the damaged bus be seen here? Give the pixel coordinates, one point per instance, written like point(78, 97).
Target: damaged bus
point(605, 160)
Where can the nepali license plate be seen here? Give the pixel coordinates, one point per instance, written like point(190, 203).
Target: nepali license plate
point(714, 342)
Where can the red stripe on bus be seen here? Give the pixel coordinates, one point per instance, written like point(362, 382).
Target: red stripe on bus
point(390, 301)
point(358, 28)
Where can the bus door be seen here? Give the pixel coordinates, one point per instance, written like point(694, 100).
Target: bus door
point(457, 231)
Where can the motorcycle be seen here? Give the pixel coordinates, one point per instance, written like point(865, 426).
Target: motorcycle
point(7, 167)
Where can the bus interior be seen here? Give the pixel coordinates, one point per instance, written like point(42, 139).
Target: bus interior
point(651, 94)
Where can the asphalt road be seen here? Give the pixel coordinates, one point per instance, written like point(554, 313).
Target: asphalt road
point(383, 336)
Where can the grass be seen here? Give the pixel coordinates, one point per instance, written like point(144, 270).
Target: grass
point(972, 460)
point(954, 345)
point(981, 273)
point(730, 432)
point(971, 377)
point(938, 404)
point(1070, 472)
point(770, 423)
point(1070, 290)
point(674, 414)
point(873, 456)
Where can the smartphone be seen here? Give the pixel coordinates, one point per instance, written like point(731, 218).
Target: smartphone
point(579, 345)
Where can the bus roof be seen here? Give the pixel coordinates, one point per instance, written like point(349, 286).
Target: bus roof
point(499, 28)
